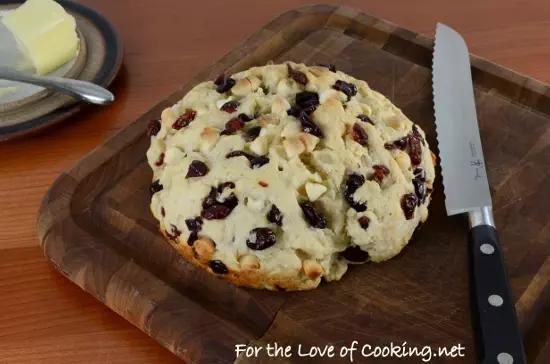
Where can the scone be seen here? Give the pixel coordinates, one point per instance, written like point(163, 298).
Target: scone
point(282, 175)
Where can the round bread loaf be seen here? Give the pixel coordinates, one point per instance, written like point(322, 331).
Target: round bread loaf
point(282, 175)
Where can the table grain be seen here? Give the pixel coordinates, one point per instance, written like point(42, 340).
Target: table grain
point(44, 318)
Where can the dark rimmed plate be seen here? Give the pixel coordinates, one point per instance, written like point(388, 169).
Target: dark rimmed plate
point(104, 58)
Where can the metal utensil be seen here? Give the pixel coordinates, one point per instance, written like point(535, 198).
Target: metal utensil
point(82, 90)
point(467, 191)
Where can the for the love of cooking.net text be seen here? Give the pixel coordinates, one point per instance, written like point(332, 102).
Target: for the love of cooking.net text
point(352, 352)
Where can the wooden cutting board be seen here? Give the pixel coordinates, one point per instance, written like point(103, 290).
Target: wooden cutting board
point(96, 228)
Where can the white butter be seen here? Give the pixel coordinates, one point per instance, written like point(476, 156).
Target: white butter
point(45, 33)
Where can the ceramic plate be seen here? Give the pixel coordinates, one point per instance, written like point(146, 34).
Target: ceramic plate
point(14, 94)
point(98, 61)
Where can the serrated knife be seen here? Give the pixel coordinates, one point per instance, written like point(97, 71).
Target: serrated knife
point(466, 189)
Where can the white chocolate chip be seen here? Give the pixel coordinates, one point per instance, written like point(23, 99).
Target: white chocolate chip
point(396, 124)
point(204, 248)
point(242, 87)
point(255, 204)
point(255, 82)
point(249, 262)
point(259, 145)
point(176, 110)
point(291, 129)
point(173, 155)
point(331, 94)
point(167, 116)
point(293, 147)
point(209, 138)
point(265, 120)
point(309, 141)
point(280, 106)
point(402, 159)
point(284, 88)
point(312, 268)
point(314, 190)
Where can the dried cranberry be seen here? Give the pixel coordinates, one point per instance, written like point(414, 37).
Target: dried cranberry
point(224, 83)
point(260, 239)
point(184, 120)
point(232, 126)
point(275, 216)
point(174, 234)
point(297, 76)
point(330, 66)
point(401, 143)
point(254, 161)
point(307, 99)
point(230, 106)
point(244, 117)
point(354, 254)
point(417, 135)
point(155, 187)
point(420, 174)
point(398, 144)
point(216, 212)
point(210, 199)
point(239, 153)
point(258, 162)
point(162, 212)
point(160, 161)
point(263, 184)
point(379, 173)
point(408, 204)
point(309, 126)
point(194, 224)
point(220, 79)
point(309, 110)
point(218, 267)
point(231, 201)
point(253, 133)
point(352, 184)
point(197, 169)
point(192, 238)
point(359, 135)
point(153, 128)
point(415, 152)
point(213, 208)
point(228, 85)
point(313, 217)
point(419, 190)
point(347, 88)
point(294, 111)
point(365, 119)
point(363, 222)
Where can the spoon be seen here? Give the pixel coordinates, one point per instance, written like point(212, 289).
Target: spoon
point(81, 90)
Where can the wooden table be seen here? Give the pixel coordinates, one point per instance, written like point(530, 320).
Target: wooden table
point(46, 319)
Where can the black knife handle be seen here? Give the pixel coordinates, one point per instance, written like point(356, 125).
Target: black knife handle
point(498, 339)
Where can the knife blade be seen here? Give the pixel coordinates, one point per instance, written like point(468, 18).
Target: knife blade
point(466, 189)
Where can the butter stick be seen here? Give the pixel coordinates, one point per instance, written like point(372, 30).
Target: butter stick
point(45, 33)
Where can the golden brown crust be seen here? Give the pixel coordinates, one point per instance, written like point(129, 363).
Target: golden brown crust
point(252, 278)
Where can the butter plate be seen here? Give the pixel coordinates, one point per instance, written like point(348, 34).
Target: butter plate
point(98, 61)
point(14, 95)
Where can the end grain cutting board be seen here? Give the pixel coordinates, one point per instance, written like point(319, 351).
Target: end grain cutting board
point(96, 228)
